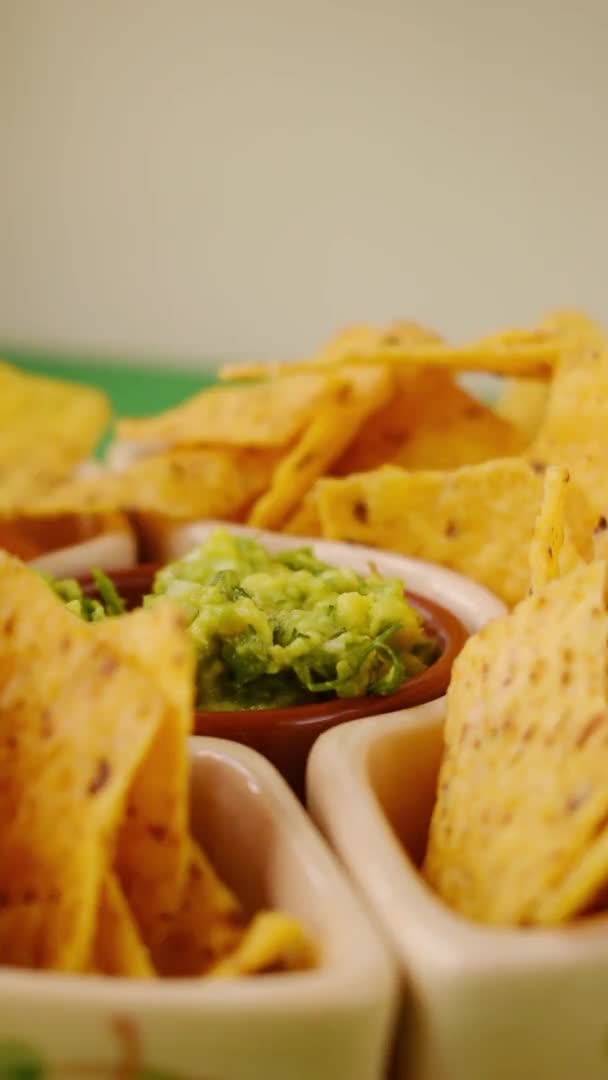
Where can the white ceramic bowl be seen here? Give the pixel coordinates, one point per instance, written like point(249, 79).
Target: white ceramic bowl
point(471, 603)
point(333, 1023)
point(479, 1003)
point(115, 549)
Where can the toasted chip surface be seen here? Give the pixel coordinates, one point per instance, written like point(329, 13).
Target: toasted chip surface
point(356, 394)
point(117, 947)
point(273, 942)
point(76, 720)
point(429, 423)
point(47, 427)
point(519, 832)
point(265, 414)
point(549, 536)
point(213, 482)
point(478, 519)
point(152, 847)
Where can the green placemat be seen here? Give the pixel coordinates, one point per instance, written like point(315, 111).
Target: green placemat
point(133, 390)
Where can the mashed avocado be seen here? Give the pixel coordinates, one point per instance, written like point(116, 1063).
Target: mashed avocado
point(287, 629)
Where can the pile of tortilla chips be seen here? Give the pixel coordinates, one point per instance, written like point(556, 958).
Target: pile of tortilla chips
point(99, 872)
point(375, 440)
point(519, 833)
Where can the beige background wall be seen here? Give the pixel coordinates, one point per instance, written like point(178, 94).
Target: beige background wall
point(238, 177)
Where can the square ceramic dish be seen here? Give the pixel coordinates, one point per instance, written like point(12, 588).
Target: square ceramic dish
point(479, 1003)
point(333, 1022)
point(471, 603)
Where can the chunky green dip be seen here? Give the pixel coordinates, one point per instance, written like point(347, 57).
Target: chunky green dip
point(276, 630)
point(287, 629)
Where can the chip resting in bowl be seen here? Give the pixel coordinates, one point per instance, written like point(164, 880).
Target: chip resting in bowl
point(98, 869)
point(519, 832)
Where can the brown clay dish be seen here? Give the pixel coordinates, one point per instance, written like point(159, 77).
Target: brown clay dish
point(286, 735)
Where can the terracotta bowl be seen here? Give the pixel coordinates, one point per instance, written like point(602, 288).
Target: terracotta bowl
point(286, 735)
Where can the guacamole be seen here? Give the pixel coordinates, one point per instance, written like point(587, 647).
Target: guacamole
point(288, 629)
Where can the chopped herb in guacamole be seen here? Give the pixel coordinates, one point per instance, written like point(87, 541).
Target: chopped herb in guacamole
point(283, 629)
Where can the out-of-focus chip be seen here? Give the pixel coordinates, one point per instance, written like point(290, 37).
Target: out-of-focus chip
point(152, 848)
point(273, 942)
point(478, 519)
point(551, 551)
point(519, 830)
point(305, 520)
point(356, 394)
point(429, 423)
point(206, 482)
point(117, 947)
point(207, 926)
point(574, 432)
point(47, 427)
point(267, 414)
point(76, 720)
point(522, 403)
point(352, 340)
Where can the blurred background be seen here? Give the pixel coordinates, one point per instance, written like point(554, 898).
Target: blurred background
point(185, 180)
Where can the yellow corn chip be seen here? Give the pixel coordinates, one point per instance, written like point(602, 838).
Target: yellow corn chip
point(574, 432)
point(268, 414)
point(273, 942)
point(76, 720)
point(549, 545)
point(207, 925)
point(358, 392)
point(198, 483)
point(519, 831)
point(305, 520)
point(152, 849)
point(575, 325)
point(522, 403)
point(117, 947)
point(429, 423)
point(47, 427)
point(478, 519)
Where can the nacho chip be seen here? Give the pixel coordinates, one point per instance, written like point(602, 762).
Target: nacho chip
point(47, 427)
point(152, 848)
point(357, 393)
point(429, 423)
point(198, 483)
point(522, 403)
point(522, 795)
point(574, 432)
point(547, 551)
point(268, 414)
point(273, 942)
point(64, 772)
point(305, 520)
point(117, 947)
point(478, 519)
point(207, 925)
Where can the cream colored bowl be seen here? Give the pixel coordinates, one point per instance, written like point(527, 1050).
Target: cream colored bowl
point(479, 1003)
point(334, 1023)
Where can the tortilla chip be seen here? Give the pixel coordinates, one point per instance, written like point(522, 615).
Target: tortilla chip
point(550, 551)
point(357, 393)
point(268, 414)
point(47, 427)
point(76, 720)
point(183, 484)
point(152, 848)
point(522, 795)
point(574, 432)
point(575, 325)
point(273, 942)
point(430, 423)
point(305, 520)
point(208, 924)
point(522, 403)
point(117, 947)
point(478, 519)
